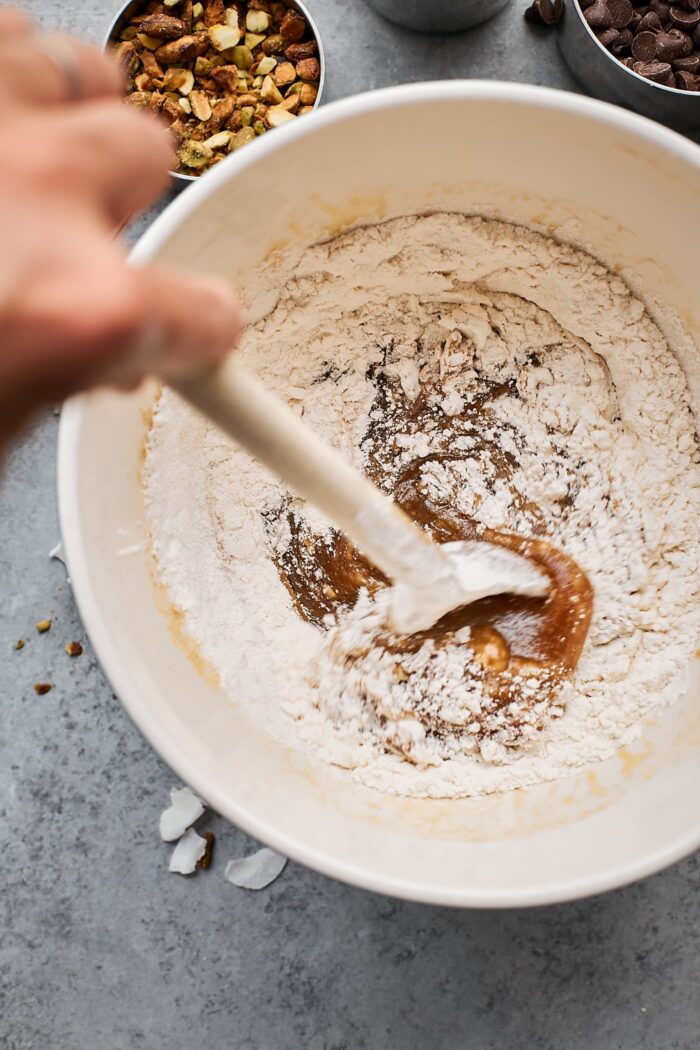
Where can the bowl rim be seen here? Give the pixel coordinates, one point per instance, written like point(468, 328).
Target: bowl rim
point(173, 753)
point(299, 5)
point(576, 6)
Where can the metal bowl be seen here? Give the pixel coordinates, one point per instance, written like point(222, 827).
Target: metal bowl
point(602, 75)
point(127, 10)
point(437, 16)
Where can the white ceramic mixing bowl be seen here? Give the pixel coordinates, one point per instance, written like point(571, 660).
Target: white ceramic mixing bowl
point(628, 189)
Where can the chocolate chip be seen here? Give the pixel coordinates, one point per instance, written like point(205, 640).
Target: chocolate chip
point(683, 18)
point(661, 9)
point(651, 23)
point(624, 39)
point(673, 44)
point(621, 12)
point(689, 64)
point(692, 5)
point(656, 71)
point(607, 37)
point(545, 12)
point(696, 36)
point(598, 15)
point(687, 81)
point(644, 47)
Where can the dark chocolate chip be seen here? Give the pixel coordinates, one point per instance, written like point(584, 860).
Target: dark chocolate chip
point(673, 44)
point(624, 39)
point(696, 36)
point(684, 19)
point(598, 15)
point(689, 64)
point(661, 9)
point(644, 47)
point(692, 5)
point(621, 12)
point(545, 12)
point(607, 37)
point(687, 81)
point(656, 71)
point(651, 23)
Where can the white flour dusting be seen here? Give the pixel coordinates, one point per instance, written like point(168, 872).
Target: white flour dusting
point(585, 438)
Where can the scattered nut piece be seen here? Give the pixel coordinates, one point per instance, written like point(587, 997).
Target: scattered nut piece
point(43, 626)
point(205, 860)
point(184, 104)
point(18, 645)
point(74, 649)
point(42, 688)
point(214, 13)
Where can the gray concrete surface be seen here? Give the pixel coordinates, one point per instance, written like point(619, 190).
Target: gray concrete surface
point(102, 949)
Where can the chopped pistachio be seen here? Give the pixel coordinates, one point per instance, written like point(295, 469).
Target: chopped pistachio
point(266, 64)
point(242, 137)
point(257, 22)
point(202, 66)
point(129, 33)
point(218, 141)
point(247, 114)
point(184, 104)
point(259, 127)
point(199, 27)
point(177, 79)
point(43, 626)
point(172, 3)
point(269, 91)
point(242, 57)
point(223, 37)
point(151, 42)
point(291, 103)
point(195, 154)
point(197, 10)
point(200, 105)
point(231, 18)
point(277, 116)
point(253, 39)
point(257, 82)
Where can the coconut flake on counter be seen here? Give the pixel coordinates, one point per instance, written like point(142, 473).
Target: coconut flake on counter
point(256, 871)
point(183, 810)
point(188, 853)
point(57, 553)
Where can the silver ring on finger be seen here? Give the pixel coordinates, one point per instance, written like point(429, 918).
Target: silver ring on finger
point(64, 59)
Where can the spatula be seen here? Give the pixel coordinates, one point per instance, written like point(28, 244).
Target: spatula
point(429, 579)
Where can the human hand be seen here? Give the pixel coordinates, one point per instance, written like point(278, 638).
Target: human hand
point(78, 164)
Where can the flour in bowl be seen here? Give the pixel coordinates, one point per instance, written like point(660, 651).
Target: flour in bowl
point(494, 381)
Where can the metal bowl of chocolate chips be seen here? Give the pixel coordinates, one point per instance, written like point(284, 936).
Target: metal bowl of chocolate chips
point(645, 56)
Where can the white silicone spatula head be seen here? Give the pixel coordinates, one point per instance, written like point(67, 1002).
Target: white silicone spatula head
point(429, 579)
